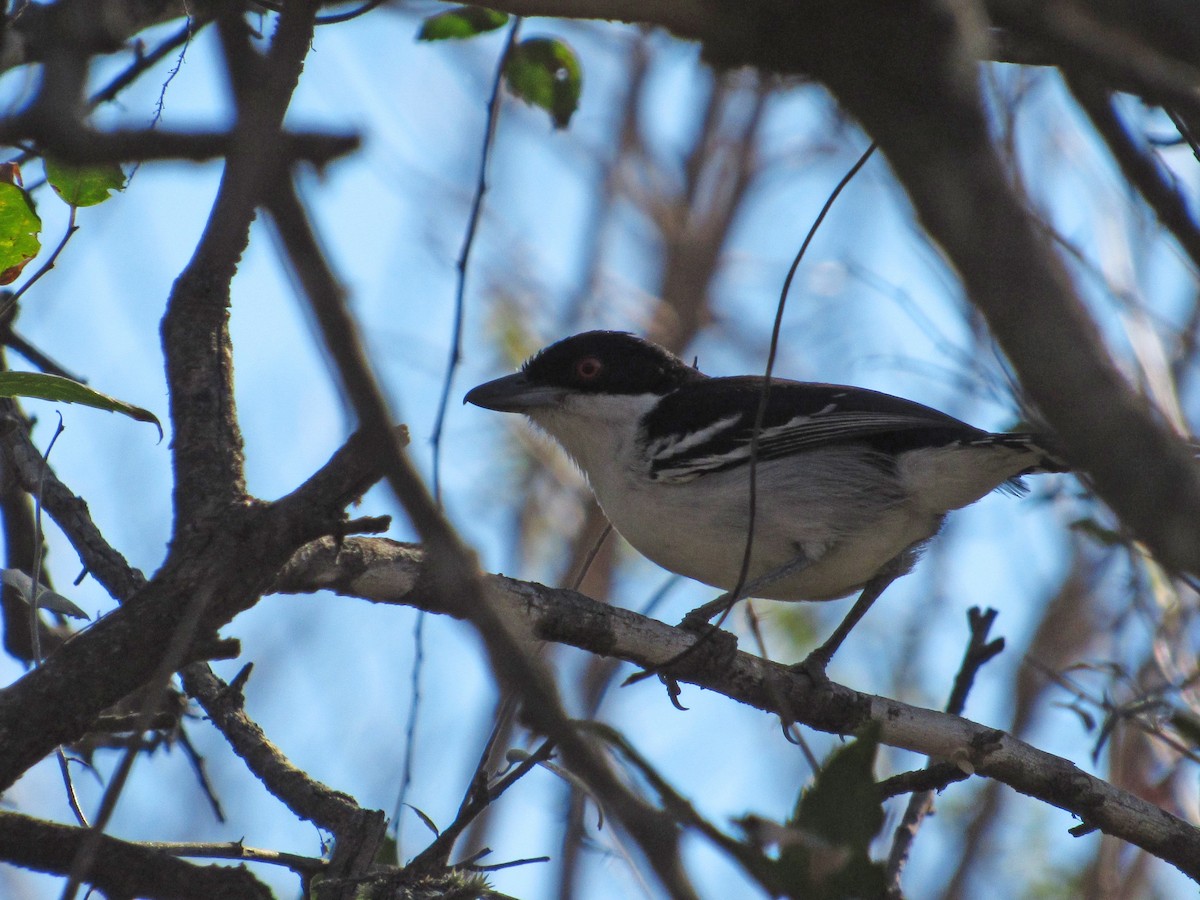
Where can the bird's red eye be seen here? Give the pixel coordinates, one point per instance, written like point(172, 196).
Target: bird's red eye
point(589, 368)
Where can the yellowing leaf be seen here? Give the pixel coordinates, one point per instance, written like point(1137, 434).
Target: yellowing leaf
point(19, 229)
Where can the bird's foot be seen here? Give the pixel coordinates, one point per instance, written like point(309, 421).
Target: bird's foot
point(697, 621)
point(813, 667)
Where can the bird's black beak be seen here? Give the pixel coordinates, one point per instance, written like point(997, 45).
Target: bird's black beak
point(512, 393)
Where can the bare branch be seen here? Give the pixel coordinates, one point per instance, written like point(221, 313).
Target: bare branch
point(358, 831)
point(452, 573)
point(69, 511)
point(231, 566)
point(979, 651)
point(1138, 166)
point(388, 572)
point(121, 868)
point(207, 440)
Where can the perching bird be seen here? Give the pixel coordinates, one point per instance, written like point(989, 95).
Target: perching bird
point(850, 483)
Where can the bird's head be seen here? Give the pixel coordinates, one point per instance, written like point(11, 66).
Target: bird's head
point(593, 364)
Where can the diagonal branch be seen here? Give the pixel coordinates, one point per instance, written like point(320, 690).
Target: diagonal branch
point(231, 567)
point(207, 441)
point(452, 573)
point(69, 511)
point(358, 831)
point(1138, 166)
point(388, 572)
point(121, 868)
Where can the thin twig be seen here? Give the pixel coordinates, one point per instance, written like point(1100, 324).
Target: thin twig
point(790, 732)
point(72, 797)
point(198, 767)
point(933, 777)
point(479, 796)
point(979, 651)
point(591, 556)
point(464, 257)
point(410, 729)
point(337, 18)
point(304, 865)
point(46, 266)
point(35, 637)
point(760, 414)
point(145, 61)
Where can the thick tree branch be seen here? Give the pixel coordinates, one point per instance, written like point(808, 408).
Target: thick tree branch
point(84, 146)
point(207, 441)
point(389, 572)
point(229, 567)
point(121, 868)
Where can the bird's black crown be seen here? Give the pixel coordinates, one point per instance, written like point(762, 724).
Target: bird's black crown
point(609, 362)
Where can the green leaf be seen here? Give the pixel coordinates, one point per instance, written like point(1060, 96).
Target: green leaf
point(834, 823)
point(84, 185)
point(63, 390)
point(47, 599)
point(842, 805)
point(545, 72)
point(461, 22)
point(19, 228)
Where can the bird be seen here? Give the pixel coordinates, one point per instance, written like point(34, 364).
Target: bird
point(850, 483)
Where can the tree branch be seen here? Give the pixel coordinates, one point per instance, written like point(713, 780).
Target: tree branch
point(121, 868)
point(389, 572)
point(230, 566)
point(979, 651)
point(207, 442)
point(453, 573)
point(1140, 167)
point(357, 831)
point(69, 511)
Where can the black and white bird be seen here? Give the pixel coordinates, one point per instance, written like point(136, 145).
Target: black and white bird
point(850, 483)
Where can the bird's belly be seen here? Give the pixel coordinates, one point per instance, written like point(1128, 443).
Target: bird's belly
point(706, 540)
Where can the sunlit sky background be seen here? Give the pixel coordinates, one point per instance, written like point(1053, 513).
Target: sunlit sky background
point(873, 305)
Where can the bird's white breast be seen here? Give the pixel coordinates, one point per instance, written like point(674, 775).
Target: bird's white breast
point(837, 507)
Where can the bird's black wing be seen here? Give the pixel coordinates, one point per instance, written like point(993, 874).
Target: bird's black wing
point(706, 426)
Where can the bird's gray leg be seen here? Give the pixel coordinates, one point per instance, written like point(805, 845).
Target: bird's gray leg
point(702, 614)
point(815, 663)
